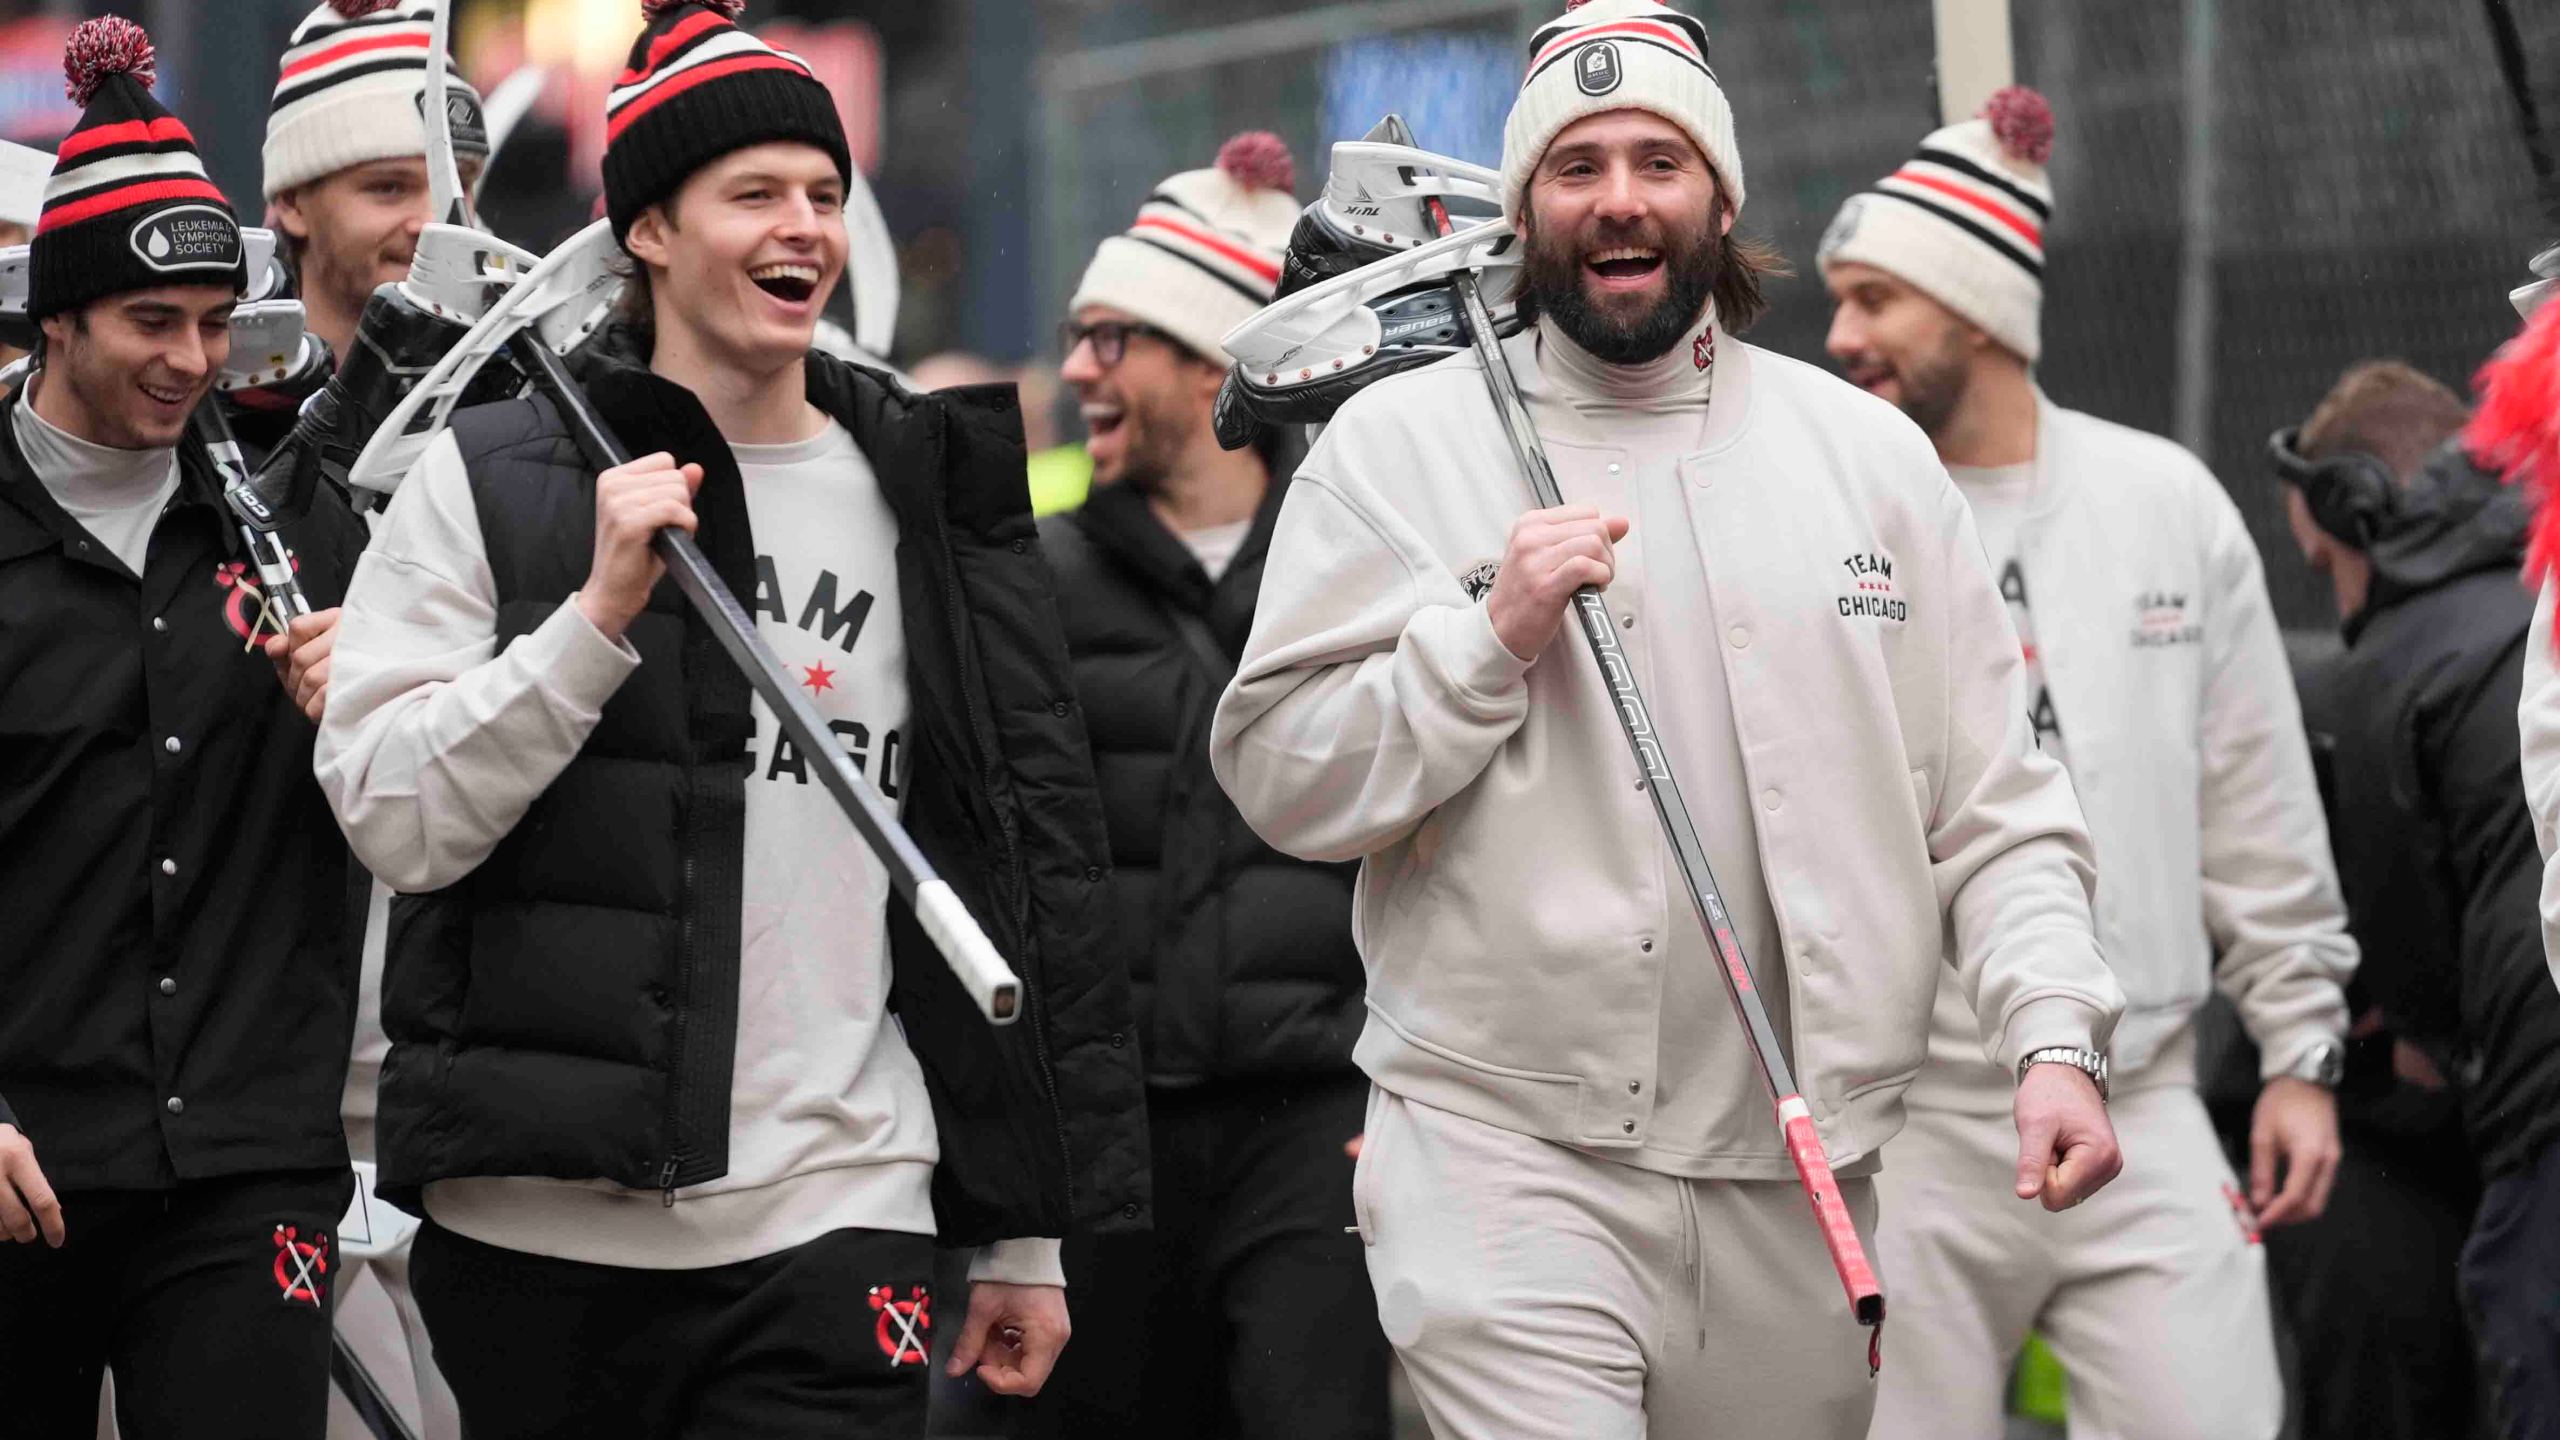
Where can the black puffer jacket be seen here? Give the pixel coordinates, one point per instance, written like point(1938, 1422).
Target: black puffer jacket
point(570, 1008)
point(1241, 957)
point(2435, 844)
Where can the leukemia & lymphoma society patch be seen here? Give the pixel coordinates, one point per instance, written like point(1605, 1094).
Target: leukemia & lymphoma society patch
point(187, 237)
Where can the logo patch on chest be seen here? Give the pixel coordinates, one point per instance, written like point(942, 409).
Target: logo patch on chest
point(1868, 591)
point(2161, 618)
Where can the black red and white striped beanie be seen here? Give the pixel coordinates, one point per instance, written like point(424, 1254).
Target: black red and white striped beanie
point(351, 91)
point(1204, 253)
point(128, 207)
point(697, 88)
point(1603, 55)
point(1964, 220)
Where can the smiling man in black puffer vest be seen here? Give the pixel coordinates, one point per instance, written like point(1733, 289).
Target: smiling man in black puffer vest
point(684, 1094)
point(1248, 1311)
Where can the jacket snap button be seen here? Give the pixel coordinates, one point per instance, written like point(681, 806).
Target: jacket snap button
point(1021, 546)
point(1769, 799)
point(1093, 874)
point(1646, 946)
point(1740, 636)
point(1129, 1211)
point(1059, 709)
point(1629, 1126)
point(168, 986)
point(1118, 1040)
point(168, 867)
point(177, 1106)
point(1635, 1087)
point(159, 625)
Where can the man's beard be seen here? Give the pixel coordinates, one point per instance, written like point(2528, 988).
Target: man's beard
point(1553, 279)
point(1152, 443)
point(1934, 385)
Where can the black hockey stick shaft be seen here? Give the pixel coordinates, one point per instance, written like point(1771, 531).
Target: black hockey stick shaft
point(1795, 1118)
point(364, 1394)
point(995, 987)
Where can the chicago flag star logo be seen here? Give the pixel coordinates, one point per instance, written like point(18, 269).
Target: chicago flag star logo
point(818, 678)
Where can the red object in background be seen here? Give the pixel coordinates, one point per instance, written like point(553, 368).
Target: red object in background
point(33, 109)
point(845, 55)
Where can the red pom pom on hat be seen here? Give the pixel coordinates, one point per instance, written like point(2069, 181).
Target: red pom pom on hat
point(2022, 122)
point(652, 9)
point(2516, 430)
point(1259, 160)
point(108, 45)
point(358, 9)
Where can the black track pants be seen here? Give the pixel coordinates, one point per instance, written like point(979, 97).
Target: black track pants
point(211, 1301)
point(825, 1339)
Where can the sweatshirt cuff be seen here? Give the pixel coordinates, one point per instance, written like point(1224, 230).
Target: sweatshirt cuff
point(2051, 1022)
point(2280, 1053)
point(575, 659)
point(1018, 1262)
point(7, 1115)
point(1480, 662)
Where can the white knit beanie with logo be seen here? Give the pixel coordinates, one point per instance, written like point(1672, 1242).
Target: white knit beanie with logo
point(349, 93)
point(1604, 55)
point(1204, 253)
point(1964, 220)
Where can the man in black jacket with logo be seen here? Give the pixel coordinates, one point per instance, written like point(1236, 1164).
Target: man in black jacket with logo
point(683, 1095)
point(176, 981)
point(1247, 1312)
point(2435, 843)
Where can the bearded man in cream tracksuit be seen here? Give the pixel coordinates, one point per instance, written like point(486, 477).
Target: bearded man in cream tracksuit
point(1580, 1218)
point(2159, 679)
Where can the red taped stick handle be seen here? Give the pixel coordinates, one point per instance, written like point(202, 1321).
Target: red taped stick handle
point(1839, 1232)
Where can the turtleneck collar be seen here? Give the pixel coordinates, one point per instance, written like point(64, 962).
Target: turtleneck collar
point(83, 473)
point(1681, 375)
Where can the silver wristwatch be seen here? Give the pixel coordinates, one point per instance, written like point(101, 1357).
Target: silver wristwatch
point(2322, 1064)
point(2087, 1062)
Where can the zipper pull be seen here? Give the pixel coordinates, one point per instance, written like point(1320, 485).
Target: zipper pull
point(667, 1185)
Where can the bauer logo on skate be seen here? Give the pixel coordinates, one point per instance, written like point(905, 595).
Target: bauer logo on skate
point(1871, 594)
point(2160, 619)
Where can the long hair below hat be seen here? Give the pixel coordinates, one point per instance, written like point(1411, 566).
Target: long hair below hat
point(128, 207)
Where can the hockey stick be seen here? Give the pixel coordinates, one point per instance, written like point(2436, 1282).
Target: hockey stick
point(1974, 54)
point(364, 1393)
point(1795, 1118)
point(973, 958)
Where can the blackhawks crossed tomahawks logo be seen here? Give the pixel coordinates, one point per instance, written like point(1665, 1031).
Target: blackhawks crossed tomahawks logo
point(903, 1327)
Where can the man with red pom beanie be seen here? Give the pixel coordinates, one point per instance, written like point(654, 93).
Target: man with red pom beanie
point(1246, 1311)
point(177, 970)
point(2159, 680)
point(685, 1097)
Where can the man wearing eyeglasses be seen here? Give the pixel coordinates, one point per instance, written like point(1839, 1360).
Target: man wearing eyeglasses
point(1247, 1311)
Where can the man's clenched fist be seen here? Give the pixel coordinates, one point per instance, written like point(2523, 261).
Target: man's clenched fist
point(1552, 553)
point(633, 503)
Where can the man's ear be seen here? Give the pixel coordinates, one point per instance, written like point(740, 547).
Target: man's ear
point(286, 210)
point(647, 237)
point(56, 327)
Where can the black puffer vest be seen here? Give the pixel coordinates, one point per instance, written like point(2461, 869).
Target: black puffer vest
point(570, 1009)
point(1241, 957)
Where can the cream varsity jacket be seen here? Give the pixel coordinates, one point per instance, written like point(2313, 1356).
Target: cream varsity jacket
point(1514, 881)
point(2185, 742)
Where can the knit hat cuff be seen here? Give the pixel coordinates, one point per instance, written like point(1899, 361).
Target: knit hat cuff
point(1941, 261)
point(1165, 291)
point(662, 149)
point(352, 129)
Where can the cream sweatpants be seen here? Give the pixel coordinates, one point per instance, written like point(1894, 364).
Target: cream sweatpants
point(1535, 1292)
point(2152, 1294)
